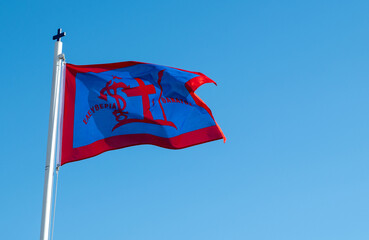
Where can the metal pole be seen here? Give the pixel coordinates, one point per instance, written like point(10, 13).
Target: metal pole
point(51, 143)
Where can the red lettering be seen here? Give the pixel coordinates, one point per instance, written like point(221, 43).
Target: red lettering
point(85, 121)
point(168, 100)
point(106, 105)
point(87, 117)
point(163, 100)
point(89, 114)
point(97, 107)
point(114, 107)
point(101, 106)
point(92, 109)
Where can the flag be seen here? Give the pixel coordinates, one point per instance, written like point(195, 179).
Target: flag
point(117, 105)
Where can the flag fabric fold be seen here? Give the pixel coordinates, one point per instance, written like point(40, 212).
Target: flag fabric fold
point(117, 105)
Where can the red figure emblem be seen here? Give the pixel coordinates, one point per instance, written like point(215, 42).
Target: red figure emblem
point(114, 89)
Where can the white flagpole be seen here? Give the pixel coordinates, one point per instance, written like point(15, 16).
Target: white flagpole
point(52, 137)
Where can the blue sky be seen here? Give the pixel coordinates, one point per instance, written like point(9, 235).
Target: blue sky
point(292, 100)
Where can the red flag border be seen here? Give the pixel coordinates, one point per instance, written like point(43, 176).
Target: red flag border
point(70, 154)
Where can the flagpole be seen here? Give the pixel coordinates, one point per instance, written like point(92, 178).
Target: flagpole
point(52, 138)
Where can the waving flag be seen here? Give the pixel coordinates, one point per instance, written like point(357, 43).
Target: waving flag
point(111, 106)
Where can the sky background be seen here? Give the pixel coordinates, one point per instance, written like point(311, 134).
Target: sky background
point(292, 99)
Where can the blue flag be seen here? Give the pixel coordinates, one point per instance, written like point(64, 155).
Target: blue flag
point(111, 106)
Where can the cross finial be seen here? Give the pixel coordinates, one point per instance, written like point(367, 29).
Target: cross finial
point(59, 35)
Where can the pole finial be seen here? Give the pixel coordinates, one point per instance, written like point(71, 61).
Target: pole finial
point(59, 35)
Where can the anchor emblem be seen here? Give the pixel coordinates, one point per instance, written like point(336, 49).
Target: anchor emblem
point(115, 89)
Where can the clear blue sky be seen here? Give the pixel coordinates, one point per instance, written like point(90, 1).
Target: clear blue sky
point(292, 99)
